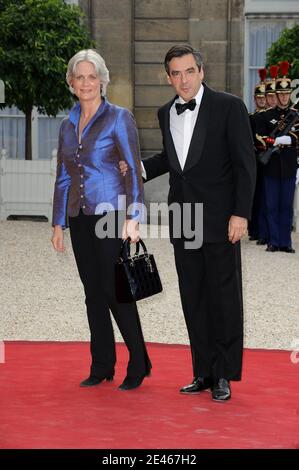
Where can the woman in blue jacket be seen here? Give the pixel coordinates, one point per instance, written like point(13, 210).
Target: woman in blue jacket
point(91, 196)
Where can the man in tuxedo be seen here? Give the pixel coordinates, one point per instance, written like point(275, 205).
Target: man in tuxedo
point(209, 154)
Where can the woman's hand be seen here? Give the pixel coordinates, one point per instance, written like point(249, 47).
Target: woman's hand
point(57, 238)
point(131, 229)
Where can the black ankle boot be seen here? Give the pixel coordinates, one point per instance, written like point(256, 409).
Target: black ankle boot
point(131, 382)
point(92, 380)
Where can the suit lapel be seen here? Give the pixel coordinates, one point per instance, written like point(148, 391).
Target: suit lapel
point(168, 141)
point(200, 130)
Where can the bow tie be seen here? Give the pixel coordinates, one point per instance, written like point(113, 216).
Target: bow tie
point(180, 108)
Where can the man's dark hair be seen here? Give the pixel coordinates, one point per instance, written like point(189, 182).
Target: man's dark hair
point(180, 50)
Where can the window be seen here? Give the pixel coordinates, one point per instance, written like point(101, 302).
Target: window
point(264, 22)
point(261, 34)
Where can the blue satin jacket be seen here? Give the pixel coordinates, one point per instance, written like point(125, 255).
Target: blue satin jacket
point(88, 175)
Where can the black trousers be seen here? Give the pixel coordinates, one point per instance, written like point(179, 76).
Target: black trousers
point(95, 258)
point(211, 293)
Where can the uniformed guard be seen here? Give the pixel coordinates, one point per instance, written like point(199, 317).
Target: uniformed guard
point(271, 101)
point(260, 91)
point(271, 98)
point(280, 171)
point(260, 103)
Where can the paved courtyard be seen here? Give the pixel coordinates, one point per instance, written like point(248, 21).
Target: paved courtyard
point(41, 296)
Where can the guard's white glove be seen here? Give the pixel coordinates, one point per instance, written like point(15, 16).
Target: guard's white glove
point(283, 140)
point(297, 177)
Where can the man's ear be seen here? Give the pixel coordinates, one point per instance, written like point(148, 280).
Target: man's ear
point(169, 80)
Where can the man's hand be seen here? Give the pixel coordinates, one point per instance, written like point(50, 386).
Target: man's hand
point(123, 167)
point(57, 238)
point(131, 229)
point(237, 228)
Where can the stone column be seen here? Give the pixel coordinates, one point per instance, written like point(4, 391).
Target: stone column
point(216, 29)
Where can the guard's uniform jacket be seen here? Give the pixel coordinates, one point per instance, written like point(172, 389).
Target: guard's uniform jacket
point(282, 164)
point(279, 179)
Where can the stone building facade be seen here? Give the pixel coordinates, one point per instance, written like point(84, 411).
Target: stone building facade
point(134, 36)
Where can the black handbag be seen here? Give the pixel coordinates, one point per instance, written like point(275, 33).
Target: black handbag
point(136, 277)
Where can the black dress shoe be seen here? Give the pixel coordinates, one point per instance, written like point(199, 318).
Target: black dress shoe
point(261, 241)
point(286, 249)
point(132, 382)
point(221, 390)
point(198, 385)
point(272, 248)
point(92, 380)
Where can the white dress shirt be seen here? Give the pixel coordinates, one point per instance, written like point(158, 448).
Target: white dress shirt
point(182, 127)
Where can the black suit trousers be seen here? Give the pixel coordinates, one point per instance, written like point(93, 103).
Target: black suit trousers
point(211, 294)
point(95, 258)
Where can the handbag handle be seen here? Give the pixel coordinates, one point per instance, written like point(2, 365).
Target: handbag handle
point(126, 250)
point(140, 242)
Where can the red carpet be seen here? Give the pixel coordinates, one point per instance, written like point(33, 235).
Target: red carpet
point(42, 406)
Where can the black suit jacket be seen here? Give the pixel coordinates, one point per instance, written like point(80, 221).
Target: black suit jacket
point(220, 168)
